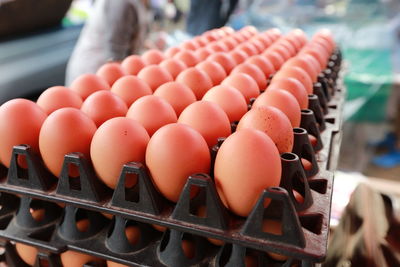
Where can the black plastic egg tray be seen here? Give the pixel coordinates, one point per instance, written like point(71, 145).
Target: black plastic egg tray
point(305, 225)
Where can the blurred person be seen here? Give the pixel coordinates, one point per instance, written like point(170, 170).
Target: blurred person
point(205, 15)
point(115, 30)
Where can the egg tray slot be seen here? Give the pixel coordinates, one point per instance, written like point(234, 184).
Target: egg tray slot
point(57, 231)
point(305, 226)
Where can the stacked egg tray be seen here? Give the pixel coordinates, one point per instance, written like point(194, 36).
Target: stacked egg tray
point(66, 200)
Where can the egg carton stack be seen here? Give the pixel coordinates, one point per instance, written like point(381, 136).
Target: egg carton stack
point(137, 226)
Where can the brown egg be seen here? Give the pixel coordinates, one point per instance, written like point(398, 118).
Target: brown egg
point(288, 46)
point(87, 84)
point(224, 59)
point(115, 264)
point(266, 40)
point(203, 53)
point(175, 152)
point(129, 88)
point(229, 99)
point(254, 71)
point(244, 83)
point(258, 45)
point(296, 73)
point(169, 91)
point(208, 118)
point(229, 42)
point(20, 123)
point(170, 52)
point(218, 46)
point(153, 56)
point(115, 143)
point(271, 121)
point(238, 55)
point(189, 45)
point(57, 97)
point(103, 105)
point(305, 65)
point(173, 66)
point(152, 112)
point(240, 170)
point(188, 248)
point(197, 80)
point(155, 76)
point(133, 64)
point(111, 72)
point(214, 70)
point(188, 57)
point(280, 49)
point(264, 64)
point(248, 48)
point(27, 253)
point(275, 58)
point(73, 258)
point(282, 100)
point(294, 87)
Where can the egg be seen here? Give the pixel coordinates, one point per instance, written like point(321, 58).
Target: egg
point(65, 131)
point(111, 72)
point(189, 45)
point(264, 64)
point(115, 264)
point(229, 99)
point(173, 153)
point(275, 58)
point(274, 227)
point(203, 53)
point(254, 71)
point(238, 37)
point(271, 121)
point(224, 59)
point(197, 80)
point(298, 74)
point(133, 234)
point(229, 42)
point(305, 65)
point(73, 258)
point(171, 51)
point(103, 105)
point(218, 47)
point(169, 91)
point(173, 66)
point(214, 70)
point(228, 30)
point(27, 253)
point(189, 248)
point(129, 88)
point(318, 55)
point(288, 46)
point(266, 40)
point(133, 64)
point(115, 143)
point(57, 97)
point(326, 34)
point(238, 55)
point(20, 123)
point(87, 84)
point(244, 83)
point(294, 87)
point(299, 35)
point(155, 76)
point(240, 171)
point(188, 57)
point(312, 60)
point(258, 45)
point(248, 48)
point(200, 41)
point(281, 50)
point(152, 112)
point(209, 119)
point(282, 100)
point(294, 41)
point(152, 56)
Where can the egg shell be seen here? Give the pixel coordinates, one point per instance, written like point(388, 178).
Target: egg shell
point(188, 57)
point(175, 152)
point(318, 55)
point(229, 99)
point(73, 258)
point(323, 43)
point(224, 59)
point(300, 35)
point(218, 46)
point(254, 71)
point(246, 163)
point(312, 60)
point(244, 83)
point(197, 80)
point(275, 58)
point(173, 66)
point(327, 35)
point(155, 76)
point(228, 30)
point(305, 65)
point(248, 48)
point(115, 143)
point(229, 42)
point(171, 51)
point(266, 40)
point(57, 97)
point(258, 45)
point(238, 55)
point(133, 64)
point(27, 253)
point(115, 264)
point(284, 101)
point(281, 50)
point(200, 41)
point(294, 41)
point(203, 53)
point(294, 87)
point(111, 72)
point(208, 118)
point(103, 105)
point(169, 91)
point(87, 84)
point(189, 248)
point(298, 74)
point(238, 37)
point(214, 70)
point(152, 56)
point(152, 112)
point(189, 45)
point(129, 88)
point(288, 46)
point(65, 131)
point(264, 64)
point(271, 121)
point(20, 123)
